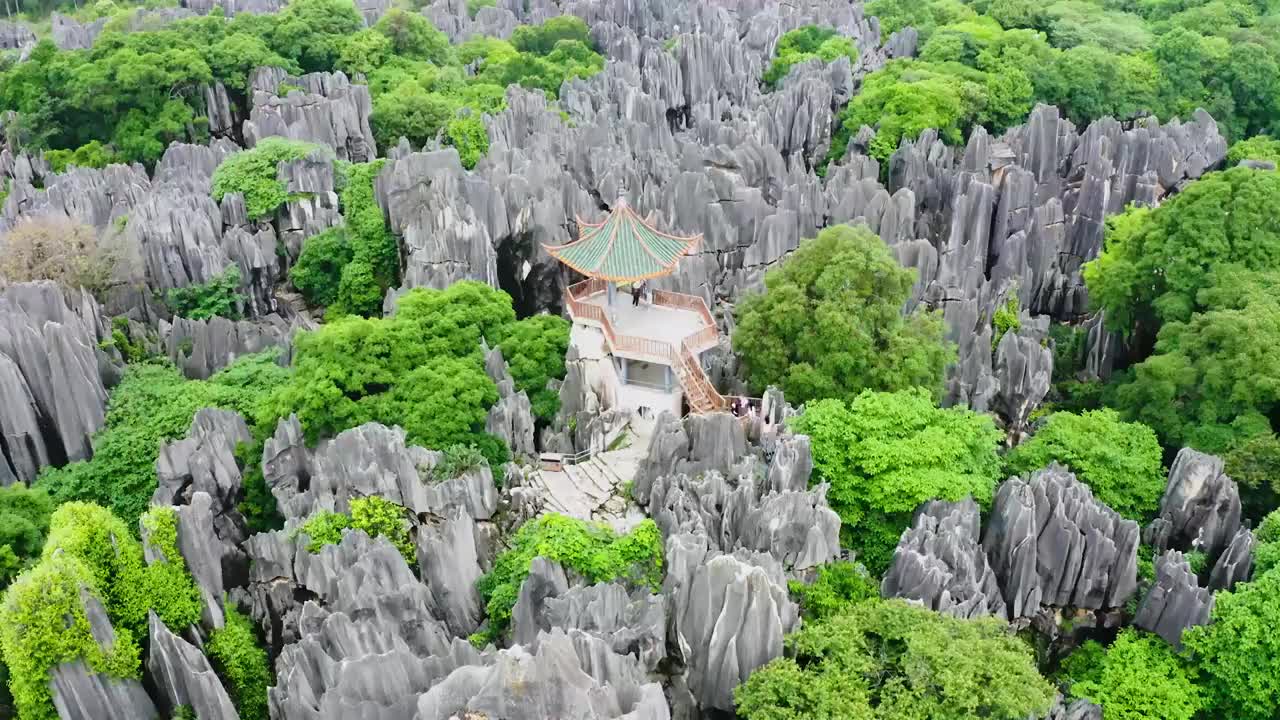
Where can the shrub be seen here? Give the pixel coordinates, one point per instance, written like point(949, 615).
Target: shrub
point(457, 460)
point(1260, 147)
point(252, 173)
point(92, 154)
point(65, 251)
point(24, 521)
point(1119, 461)
point(382, 518)
point(1255, 466)
point(43, 624)
point(1138, 678)
point(1266, 555)
point(534, 351)
point(1238, 652)
point(318, 271)
point(806, 43)
point(242, 663)
point(324, 528)
point(590, 550)
point(888, 659)
point(837, 586)
point(261, 514)
point(1005, 319)
point(173, 592)
point(152, 404)
point(358, 292)
point(218, 297)
point(869, 452)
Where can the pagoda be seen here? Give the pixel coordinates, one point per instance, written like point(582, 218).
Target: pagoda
point(654, 349)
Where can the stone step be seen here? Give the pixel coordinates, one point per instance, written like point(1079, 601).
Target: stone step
point(615, 479)
point(586, 482)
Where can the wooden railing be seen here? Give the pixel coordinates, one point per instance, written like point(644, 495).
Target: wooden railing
point(683, 359)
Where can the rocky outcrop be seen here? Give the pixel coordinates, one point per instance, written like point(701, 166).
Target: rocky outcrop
point(69, 34)
point(1175, 602)
point(83, 694)
point(449, 552)
point(202, 347)
point(326, 109)
point(511, 418)
point(1051, 543)
point(1023, 372)
point(182, 675)
point(1076, 710)
point(368, 460)
point(16, 36)
point(729, 613)
point(940, 563)
point(53, 376)
point(1235, 563)
point(1200, 509)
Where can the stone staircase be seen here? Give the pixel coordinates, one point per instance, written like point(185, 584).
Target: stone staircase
point(582, 491)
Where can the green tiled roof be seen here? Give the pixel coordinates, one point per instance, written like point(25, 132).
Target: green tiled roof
point(623, 248)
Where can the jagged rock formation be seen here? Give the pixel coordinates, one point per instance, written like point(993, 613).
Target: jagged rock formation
point(182, 675)
point(326, 109)
point(1077, 710)
point(1235, 563)
point(940, 563)
point(16, 36)
point(202, 347)
point(450, 552)
point(1200, 509)
point(82, 694)
point(1023, 372)
point(1050, 542)
point(53, 378)
point(368, 460)
point(1175, 602)
point(511, 418)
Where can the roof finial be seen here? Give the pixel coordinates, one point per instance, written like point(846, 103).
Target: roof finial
point(622, 201)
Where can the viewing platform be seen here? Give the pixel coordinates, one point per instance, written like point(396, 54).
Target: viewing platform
point(669, 330)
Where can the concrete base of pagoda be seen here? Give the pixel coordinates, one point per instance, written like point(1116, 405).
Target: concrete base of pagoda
point(625, 384)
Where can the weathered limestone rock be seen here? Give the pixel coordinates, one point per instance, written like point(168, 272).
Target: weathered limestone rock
point(328, 110)
point(1235, 563)
point(1050, 542)
point(182, 675)
point(940, 563)
point(202, 347)
point(1175, 602)
point(1077, 710)
point(1200, 509)
point(511, 418)
point(69, 34)
point(449, 555)
point(53, 375)
point(82, 694)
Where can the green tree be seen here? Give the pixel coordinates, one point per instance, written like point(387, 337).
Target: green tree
point(1139, 677)
point(1212, 381)
point(1259, 147)
point(836, 586)
point(242, 663)
point(1119, 461)
point(24, 521)
point(313, 32)
point(413, 36)
point(1238, 652)
point(829, 323)
point(543, 39)
point(382, 518)
point(888, 659)
point(318, 271)
point(1255, 466)
point(534, 351)
point(410, 112)
point(1266, 554)
point(869, 451)
point(807, 43)
point(589, 549)
point(1156, 261)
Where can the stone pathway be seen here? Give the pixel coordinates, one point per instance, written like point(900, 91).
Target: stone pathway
point(594, 489)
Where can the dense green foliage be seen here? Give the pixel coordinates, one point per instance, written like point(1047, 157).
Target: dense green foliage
point(1119, 461)
point(829, 324)
point(456, 460)
point(132, 93)
point(24, 521)
point(1266, 554)
point(1255, 466)
point(173, 593)
point(420, 369)
point(318, 270)
point(892, 660)
point(1197, 276)
point(1139, 677)
point(1005, 319)
point(534, 350)
point(870, 451)
point(373, 515)
point(43, 624)
point(591, 551)
point(154, 403)
point(219, 297)
point(253, 174)
point(242, 664)
point(1260, 147)
point(837, 586)
point(806, 43)
point(988, 62)
point(1239, 651)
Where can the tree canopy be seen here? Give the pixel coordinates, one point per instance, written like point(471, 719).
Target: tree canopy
point(1239, 650)
point(1119, 461)
point(872, 451)
point(889, 659)
point(1138, 677)
point(830, 325)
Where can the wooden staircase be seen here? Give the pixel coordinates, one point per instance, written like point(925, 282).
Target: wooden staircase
point(698, 390)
